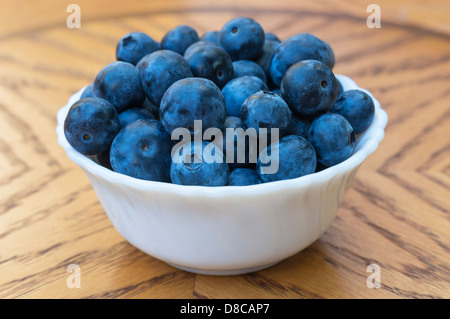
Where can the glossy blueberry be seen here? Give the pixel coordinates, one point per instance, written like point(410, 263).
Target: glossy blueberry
point(199, 163)
point(210, 61)
point(238, 90)
point(309, 87)
point(357, 107)
point(212, 36)
point(247, 67)
point(159, 70)
point(265, 109)
point(244, 177)
point(243, 38)
point(119, 84)
point(299, 126)
point(134, 114)
point(239, 150)
point(88, 91)
point(142, 150)
point(272, 37)
point(303, 46)
point(265, 58)
point(91, 125)
point(333, 138)
point(296, 157)
point(179, 38)
point(134, 46)
point(193, 99)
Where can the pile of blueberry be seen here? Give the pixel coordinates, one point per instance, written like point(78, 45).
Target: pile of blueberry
point(156, 112)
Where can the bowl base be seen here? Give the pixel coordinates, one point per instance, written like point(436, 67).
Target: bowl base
point(218, 272)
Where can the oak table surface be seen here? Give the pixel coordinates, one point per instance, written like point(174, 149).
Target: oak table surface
point(395, 215)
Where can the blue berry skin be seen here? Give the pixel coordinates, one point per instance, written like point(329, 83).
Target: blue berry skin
point(309, 88)
point(150, 107)
point(211, 62)
point(265, 109)
point(88, 91)
point(239, 160)
point(91, 125)
point(333, 138)
point(197, 45)
point(198, 166)
point(244, 177)
point(238, 90)
point(299, 126)
point(340, 87)
point(272, 37)
point(357, 107)
point(247, 67)
point(134, 114)
point(179, 38)
point(265, 58)
point(303, 46)
point(243, 38)
point(119, 84)
point(142, 150)
point(296, 158)
point(134, 46)
point(159, 70)
point(193, 99)
point(212, 36)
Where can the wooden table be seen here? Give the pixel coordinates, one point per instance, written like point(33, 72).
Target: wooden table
point(396, 215)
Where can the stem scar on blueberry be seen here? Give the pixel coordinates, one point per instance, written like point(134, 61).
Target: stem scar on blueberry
point(234, 30)
point(86, 137)
point(324, 84)
point(145, 147)
point(219, 74)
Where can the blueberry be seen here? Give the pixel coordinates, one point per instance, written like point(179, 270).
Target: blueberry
point(134, 46)
point(357, 107)
point(272, 37)
point(240, 151)
point(102, 159)
point(179, 38)
point(199, 163)
point(296, 158)
point(152, 108)
point(88, 91)
point(119, 84)
point(243, 177)
point(210, 61)
point(309, 87)
point(265, 58)
point(212, 36)
point(91, 125)
point(238, 90)
point(197, 45)
point(134, 114)
point(303, 46)
point(243, 38)
point(142, 150)
point(247, 67)
point(340, 87)
point(299, 126)
point(265, 109)
point(159, 70)
point(193, 99)
point(333, 138)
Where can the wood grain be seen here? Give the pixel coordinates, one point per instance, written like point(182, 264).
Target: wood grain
point(396, 214)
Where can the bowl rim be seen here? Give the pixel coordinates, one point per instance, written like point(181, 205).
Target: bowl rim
point(376, 130)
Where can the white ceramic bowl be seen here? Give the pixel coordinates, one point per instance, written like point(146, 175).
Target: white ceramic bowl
point(225, 230)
